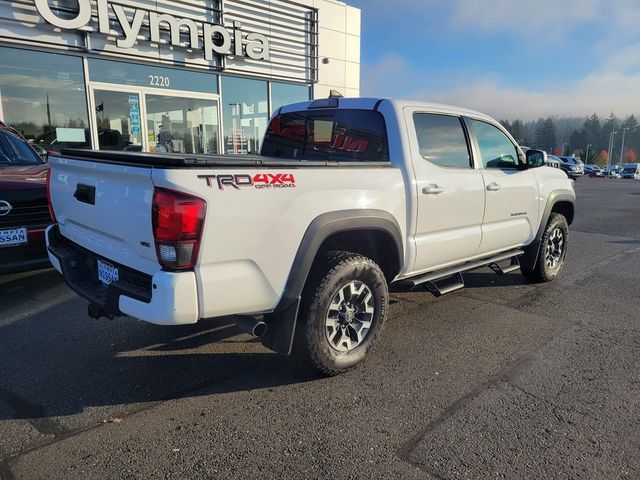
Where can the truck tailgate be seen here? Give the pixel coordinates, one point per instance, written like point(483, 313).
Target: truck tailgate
point(106, 208)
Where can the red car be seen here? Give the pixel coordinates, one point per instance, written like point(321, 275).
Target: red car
point(24, 210)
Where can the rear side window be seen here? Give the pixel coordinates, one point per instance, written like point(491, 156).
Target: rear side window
point(328, 135)
point(441, 140)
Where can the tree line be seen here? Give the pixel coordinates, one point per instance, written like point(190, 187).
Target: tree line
point(572, 136)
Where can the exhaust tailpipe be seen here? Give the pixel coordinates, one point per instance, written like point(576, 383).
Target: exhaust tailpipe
point(252, 326)
point(95, 312)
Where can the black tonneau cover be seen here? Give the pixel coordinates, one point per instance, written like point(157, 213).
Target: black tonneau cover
point(183, 160)
point(187, 160)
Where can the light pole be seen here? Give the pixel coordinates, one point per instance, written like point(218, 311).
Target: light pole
point(624, 131)
point(586, 155)
point(611, 135)
point(610, 152)
point(563, 144)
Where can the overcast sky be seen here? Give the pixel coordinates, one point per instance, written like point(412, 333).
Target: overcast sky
point(508, 58)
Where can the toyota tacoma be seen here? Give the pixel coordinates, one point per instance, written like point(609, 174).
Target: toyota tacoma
point(302, 242)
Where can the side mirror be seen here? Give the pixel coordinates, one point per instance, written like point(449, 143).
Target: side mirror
point(536, 158)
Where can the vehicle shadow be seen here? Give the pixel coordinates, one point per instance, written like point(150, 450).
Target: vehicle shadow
point(625, 242)
point(61, 363)
point(486, 278)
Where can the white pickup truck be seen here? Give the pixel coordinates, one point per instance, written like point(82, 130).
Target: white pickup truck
point(301, 242)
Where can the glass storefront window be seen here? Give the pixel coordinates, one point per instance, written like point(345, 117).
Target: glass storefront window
point(285, 93)
point(43, 97)
point(123, 73)
point(182, 125)
point(245, 112)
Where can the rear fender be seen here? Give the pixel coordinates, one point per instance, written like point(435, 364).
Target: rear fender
point(282, 322)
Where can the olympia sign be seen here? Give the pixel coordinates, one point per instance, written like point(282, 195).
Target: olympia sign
point(252, 45)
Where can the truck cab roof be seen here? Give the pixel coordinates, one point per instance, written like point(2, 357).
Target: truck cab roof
point(375, 103)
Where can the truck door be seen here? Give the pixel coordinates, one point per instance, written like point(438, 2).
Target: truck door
point(450, 190)
point(511, 211)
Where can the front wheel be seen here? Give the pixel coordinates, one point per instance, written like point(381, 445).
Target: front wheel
point(552, 250)
point(344, 307)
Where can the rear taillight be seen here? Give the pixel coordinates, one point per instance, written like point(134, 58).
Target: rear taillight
point(52, 214)
point(177, 228)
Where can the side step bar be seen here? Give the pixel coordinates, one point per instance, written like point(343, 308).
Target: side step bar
point(450, 279)
point(515, 265)
point(437, 288)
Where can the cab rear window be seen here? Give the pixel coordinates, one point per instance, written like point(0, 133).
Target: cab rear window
point(337, 135)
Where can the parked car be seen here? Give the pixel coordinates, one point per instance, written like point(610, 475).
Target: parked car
point(593, 170)
point(301, 241)
point(631, 170)
point(553, 161)
point(24, 211)
point(613, 171)
point(572, 166)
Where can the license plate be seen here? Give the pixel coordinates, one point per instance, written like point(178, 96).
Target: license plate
point(13, 237)
point(107, 273)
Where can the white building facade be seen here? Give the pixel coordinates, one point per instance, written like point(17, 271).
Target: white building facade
point(182, 76)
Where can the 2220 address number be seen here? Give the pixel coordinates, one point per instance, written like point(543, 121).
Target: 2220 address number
point(159, 81)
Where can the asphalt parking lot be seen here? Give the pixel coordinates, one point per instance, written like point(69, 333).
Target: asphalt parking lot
point(503, 379)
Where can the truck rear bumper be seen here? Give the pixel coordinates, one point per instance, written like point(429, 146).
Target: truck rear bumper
point(166, 298)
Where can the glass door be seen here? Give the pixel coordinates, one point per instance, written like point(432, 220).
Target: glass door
point(153, 120)
point(181, 124)
point(118, 120)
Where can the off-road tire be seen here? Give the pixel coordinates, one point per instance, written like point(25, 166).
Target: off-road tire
point(542, 271)
point(330, 274)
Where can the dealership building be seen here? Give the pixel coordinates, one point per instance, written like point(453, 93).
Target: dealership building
point(185, 76)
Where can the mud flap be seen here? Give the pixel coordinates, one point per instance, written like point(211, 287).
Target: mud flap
point(281, 328)
point(530, 256)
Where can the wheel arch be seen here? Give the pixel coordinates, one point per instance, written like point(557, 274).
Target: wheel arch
point(562, 202)
point(558, 202)
point(356, 229)
point(373, 233)
point(565, 208)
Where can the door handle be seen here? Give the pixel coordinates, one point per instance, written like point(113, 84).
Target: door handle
point(494, 187)
point(432, 189)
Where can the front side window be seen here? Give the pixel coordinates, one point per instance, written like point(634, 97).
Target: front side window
point(441, 140)
point(496, 149)
point(337, 135)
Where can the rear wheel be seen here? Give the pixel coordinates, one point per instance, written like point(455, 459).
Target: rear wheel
point(552, 250)
point(345, 304)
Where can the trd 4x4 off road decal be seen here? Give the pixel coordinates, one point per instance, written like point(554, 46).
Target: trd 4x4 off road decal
point(259, 181)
